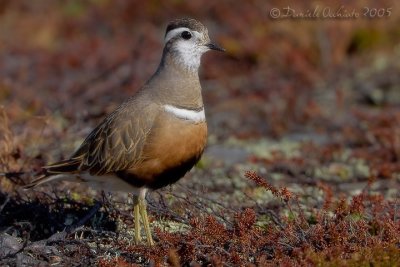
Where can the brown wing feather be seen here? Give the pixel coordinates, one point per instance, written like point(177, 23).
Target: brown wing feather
point(115, 144)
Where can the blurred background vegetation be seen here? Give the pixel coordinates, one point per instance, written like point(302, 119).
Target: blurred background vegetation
point(82, 58)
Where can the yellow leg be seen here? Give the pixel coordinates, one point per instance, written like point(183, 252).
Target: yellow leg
point(145, 220)
point(136, 213)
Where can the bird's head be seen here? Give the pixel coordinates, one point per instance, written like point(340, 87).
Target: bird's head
point(186, 40)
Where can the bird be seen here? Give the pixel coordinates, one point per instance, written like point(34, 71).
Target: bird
point(155, 136)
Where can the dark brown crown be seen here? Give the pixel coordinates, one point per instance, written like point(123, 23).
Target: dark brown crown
point(187, 23)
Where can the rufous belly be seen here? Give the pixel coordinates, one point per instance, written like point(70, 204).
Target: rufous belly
point(173, 147)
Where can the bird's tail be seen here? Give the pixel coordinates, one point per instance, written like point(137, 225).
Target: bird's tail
point(37, 181)
point(57, 171)
point(64, 166)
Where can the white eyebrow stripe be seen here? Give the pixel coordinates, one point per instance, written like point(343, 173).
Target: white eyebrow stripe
point(175, 32)
point(186, 114)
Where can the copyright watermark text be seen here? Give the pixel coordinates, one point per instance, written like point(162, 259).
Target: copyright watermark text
point(340, 12)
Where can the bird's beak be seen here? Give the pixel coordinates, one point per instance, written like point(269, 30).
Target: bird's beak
point(215, 47)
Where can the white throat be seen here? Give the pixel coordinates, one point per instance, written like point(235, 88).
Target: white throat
point(186, 114)
point(188, 52)
point(188, 55)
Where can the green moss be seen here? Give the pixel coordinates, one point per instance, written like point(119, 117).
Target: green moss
point(171, 226)
point(263, 221)
point(262, 196)
point(74, 8)
point(202, 163)
point(364, 39)
point(356, 217)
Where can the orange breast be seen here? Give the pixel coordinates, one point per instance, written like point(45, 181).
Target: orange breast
point(172, 148)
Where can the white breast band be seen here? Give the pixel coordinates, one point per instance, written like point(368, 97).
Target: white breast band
point(186, 114)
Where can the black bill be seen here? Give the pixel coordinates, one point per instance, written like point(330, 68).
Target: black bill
point(215, 47)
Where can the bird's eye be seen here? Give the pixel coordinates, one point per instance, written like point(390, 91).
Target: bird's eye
point(186, 35)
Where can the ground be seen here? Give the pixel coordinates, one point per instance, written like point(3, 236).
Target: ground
point(302, 165)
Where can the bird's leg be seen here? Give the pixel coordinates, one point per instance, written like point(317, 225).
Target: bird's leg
point(145, 219)
point(136, 214)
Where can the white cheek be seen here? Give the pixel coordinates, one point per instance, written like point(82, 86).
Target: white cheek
point(189, 54)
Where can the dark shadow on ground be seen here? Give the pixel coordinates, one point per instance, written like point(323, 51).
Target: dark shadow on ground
point(40, 218)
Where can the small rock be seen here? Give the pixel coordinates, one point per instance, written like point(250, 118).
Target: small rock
point(9, 245)
point(25, 260)
point(41, 248)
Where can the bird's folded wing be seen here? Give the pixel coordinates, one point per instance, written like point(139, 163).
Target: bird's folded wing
point(116, 144)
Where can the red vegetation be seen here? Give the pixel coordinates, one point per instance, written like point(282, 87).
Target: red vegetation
point(348, 233)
